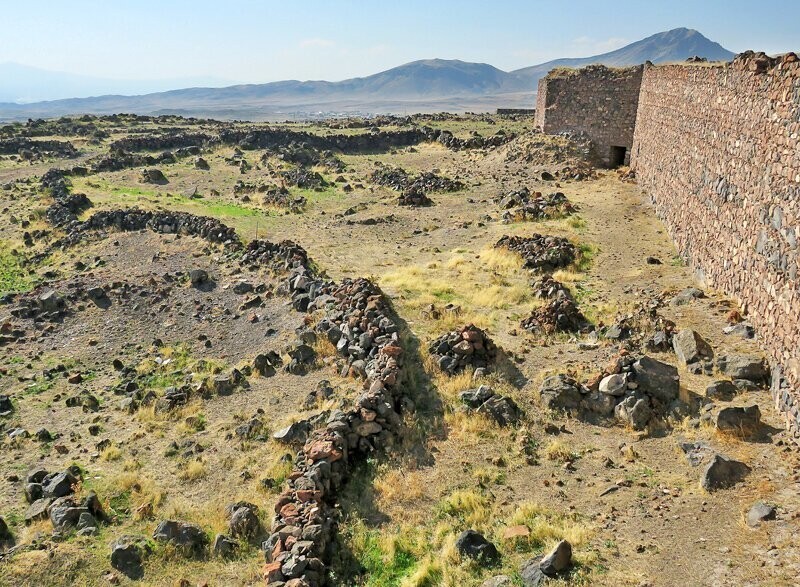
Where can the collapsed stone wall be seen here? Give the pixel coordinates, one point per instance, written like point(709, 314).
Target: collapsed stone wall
point(18, 145)
point(717, 148)
point(597, 101)
point(516, 111)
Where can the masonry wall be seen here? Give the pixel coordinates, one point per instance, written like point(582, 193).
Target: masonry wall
point(596, 100)
point(717, 148)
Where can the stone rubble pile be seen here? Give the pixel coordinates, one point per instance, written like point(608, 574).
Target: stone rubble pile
point(285, 256)
point(400, 180)
point(163, 140)
point(51, 495)
point(541, 252)
point(133, 389)
point(503, 410)
point(304, 155)
point(572, 153)
point(547, 288)
point(134, 219)
point(303, 178)
point(66, 206)
point(414, 198)
point(274, 138)
point(47, 306)
point(117, 160)
point(467, 347)
point(522, 205)
point(29, 149)
point(153, 175)
point(560, 314)
point(632, 389)
point(476, 141)
point(281, 198)
point(644, 327)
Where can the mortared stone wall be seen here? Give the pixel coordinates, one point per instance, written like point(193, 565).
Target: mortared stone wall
point(717, 149)
point(597, 101)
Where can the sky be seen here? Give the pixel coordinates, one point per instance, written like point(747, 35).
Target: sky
point(260, 41)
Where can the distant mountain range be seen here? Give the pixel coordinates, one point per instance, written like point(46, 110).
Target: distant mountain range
point(421, 86)
point(25, 84)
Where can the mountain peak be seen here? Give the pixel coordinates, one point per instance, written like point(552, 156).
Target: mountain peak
point(674, 45)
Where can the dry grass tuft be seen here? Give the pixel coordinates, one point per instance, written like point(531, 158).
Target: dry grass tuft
point(470, 428)
point(567, 276)
point(193, 471)
point(546, 527)
point(559, 451)
point(469, 506)
point(111, 453)
point(399, 487)
point(324, 347)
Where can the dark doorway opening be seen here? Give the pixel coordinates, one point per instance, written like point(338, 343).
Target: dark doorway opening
point(617, 156)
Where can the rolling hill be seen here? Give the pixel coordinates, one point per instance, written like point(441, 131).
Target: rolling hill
point(427, 85)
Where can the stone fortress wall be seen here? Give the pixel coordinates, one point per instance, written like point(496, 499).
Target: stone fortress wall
point(717, 149)
point(598, 101)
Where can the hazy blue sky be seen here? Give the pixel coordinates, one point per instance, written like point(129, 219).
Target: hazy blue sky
point(259, 41)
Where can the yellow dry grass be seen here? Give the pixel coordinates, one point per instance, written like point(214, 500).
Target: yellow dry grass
point(559, 451)
point(399, 487)
point(142, 489)
point(111, 453)
point(194, 470)
point(546, 528)
point(482, 286)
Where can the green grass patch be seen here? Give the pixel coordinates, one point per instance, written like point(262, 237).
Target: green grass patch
point(313, 196)
point(587, 253)
point(130, 191)
point(576, 222)
point(228, 210)
point(386, 562)
point(677, 261)
point(133, 195)
point(40, 387)
point(175, 366)
point(14, 278)
point(444, 294)
point(120, 504)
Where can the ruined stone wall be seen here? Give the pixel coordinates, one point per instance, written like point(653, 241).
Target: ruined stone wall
point(596, 100)
point(516, 111)
point(717, 148)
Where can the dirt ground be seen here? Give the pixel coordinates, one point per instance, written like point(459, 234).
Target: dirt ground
point(456, 470)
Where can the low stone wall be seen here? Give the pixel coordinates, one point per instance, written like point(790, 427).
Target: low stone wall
point(516, 111)
point(358, 320)
point(597, 101)
point(717, 148)
point(19, 145)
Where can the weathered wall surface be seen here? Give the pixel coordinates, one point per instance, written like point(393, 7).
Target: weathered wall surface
point(595, 100)
point(717, 148)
